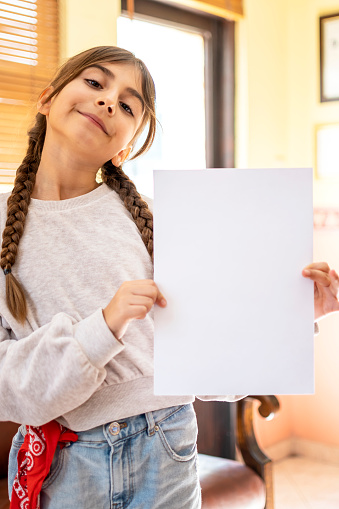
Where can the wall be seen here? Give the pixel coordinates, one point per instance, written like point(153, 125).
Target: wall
point(87, 23)
point(261, 91)
point(278, 108)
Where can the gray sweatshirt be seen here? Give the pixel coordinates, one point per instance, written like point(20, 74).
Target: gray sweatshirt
point(64, 363)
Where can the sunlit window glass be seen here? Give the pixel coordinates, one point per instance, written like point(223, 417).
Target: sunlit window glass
point(175, 58)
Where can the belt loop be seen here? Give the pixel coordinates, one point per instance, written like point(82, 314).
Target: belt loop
point(150, 424)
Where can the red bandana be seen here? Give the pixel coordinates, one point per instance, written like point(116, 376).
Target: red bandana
point(34, 462)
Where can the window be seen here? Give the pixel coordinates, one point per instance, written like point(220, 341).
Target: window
point(207, 41)
point(28, 58)
point(190, 57)
point(176, 62)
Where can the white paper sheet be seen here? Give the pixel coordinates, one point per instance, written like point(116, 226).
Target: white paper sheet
point(230, 246)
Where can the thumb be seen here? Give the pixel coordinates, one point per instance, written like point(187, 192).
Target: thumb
point(160, 300)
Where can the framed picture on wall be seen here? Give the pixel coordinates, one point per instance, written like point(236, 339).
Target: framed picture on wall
point(329, 58)
point(327, 151)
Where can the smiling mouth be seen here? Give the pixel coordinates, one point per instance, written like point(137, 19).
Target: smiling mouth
point(95, 120)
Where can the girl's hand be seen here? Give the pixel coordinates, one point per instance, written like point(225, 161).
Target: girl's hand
point(133, 301)
point(326, 286)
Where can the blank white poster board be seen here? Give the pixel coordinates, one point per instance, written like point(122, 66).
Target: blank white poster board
point(229, 249)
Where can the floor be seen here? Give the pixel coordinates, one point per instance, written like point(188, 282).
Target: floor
point(303, 483)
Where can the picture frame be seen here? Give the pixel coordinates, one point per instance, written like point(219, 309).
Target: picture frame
point(329, 57)
point(327, 151)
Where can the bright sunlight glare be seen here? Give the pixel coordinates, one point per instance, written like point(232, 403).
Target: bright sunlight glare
point(175, 59)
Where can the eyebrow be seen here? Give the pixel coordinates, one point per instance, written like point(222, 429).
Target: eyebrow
point(130, 90)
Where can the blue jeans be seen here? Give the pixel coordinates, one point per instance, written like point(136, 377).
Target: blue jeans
point(144, 462)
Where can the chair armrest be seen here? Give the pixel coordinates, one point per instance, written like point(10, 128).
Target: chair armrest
point(252, 455)
point(7, 432)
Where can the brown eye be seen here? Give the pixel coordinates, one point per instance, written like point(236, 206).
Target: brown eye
point(127, 108)
point(93, 83)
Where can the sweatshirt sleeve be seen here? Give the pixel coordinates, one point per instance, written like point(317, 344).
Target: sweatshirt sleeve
point(54, 369)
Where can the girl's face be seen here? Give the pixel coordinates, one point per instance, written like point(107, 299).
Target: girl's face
point(97, 114)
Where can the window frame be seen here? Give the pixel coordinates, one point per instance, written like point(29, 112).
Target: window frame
point(219, 71)
point(220, 87)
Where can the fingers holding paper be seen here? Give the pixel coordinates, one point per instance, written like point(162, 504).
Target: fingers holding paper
point(326, 288)
point(132, 301)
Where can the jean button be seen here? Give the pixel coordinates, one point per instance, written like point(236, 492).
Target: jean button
point(114, 428)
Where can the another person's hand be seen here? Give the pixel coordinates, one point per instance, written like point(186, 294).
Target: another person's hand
point(133, 301)
point(326, 287)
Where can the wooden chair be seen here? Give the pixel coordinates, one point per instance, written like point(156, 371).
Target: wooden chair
point(225, 483)
point(7, 431)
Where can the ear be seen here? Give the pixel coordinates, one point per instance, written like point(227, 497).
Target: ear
point(121, 156)
point(44, 106)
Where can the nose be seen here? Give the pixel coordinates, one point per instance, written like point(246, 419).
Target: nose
point(108, 104)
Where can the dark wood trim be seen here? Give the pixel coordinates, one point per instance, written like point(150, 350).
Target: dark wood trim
point(162, 11)
point(223, 95)
point(217, 434)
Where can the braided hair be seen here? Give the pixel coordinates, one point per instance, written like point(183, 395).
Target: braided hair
point(113, 176)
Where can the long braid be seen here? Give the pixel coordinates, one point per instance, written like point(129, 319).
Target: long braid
point(17, 209)
point(18, 202)
point(115, 178)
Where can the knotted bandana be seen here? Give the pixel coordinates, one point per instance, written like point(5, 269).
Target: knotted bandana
point(34, 462)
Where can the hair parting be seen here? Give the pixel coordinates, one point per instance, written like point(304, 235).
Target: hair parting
point(19, 200)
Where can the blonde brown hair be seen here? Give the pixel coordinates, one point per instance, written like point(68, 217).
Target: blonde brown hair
point(18, 202)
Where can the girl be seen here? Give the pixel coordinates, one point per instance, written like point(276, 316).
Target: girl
point(76, 316)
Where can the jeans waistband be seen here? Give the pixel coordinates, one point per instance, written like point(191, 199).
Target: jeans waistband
point(121, 429)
